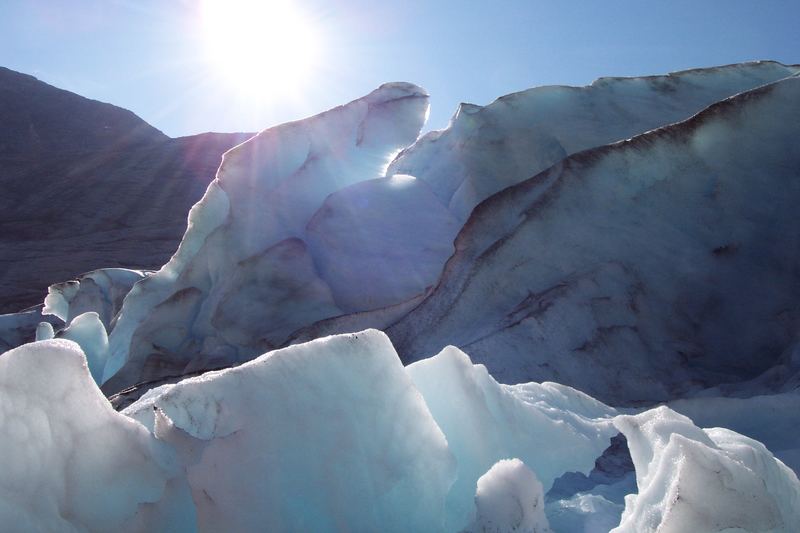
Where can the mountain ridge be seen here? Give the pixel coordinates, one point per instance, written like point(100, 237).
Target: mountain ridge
point(87, 184)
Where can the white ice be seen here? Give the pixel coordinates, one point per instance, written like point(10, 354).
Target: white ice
point(485, 422)
point(323, 436)
point(101, 291)
point(690, 479)
point(509, 498)
point(336, 434)
point(70, 462)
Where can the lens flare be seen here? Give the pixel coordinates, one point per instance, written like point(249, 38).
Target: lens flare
point(265, 48)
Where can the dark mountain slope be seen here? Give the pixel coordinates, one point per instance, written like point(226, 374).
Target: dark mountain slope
point(85, 185)
point(38, 118)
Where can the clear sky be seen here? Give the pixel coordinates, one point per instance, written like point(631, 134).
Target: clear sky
point(162, 58)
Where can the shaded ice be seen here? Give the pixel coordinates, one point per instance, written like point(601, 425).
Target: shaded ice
point(249, 230)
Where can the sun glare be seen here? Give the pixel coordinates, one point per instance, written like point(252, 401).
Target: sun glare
point(260, 47)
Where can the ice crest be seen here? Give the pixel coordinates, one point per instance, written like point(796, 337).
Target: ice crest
point(250, 230)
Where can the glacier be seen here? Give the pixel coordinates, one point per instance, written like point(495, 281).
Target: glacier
point(245, 243)
point(335, 434)
point(349, 243)
point(486, 149)
point(71, 463)
point(509, 497)
point(666, 263)
point(578, 289)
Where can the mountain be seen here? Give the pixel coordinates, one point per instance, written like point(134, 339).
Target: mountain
point(88, 185)
point(39, 119)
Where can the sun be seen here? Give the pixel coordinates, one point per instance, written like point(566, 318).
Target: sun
point(264, 47)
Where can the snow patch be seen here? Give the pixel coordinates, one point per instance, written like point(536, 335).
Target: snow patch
point(509, 498)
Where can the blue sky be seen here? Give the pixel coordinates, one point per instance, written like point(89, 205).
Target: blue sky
point(149, 56)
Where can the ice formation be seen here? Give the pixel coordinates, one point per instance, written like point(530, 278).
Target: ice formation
point(328, 435)
point(100, 291)
point(88, 331)
point(664, 263)
point(691, 479)
point(509, 498)
point(770, 418)
point(244, 278)
point(45, 331)
point(486, 149)
point(18, 328)
point(304, 223)
point(485, 422)
point(70, 462)
point(336, 434)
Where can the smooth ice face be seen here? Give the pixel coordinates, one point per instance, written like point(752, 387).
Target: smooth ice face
point(509, 498)
point(552, 429)
point(380, 242)
point(692, 479)
point(638, 270)
point(249, 232)
point(323, 436)
point(90, 334)
point(70, 462)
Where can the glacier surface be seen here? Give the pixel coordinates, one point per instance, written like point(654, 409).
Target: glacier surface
point(311, 228)
point(243, 278)
point(666, 263)
point(70, 462)
point(335, 434)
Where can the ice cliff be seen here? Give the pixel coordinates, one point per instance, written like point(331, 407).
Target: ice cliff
point(310, 228)
point(244, 278)
point(671, 257)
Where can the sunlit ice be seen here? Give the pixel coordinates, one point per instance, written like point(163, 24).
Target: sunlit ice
point(262, 48)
